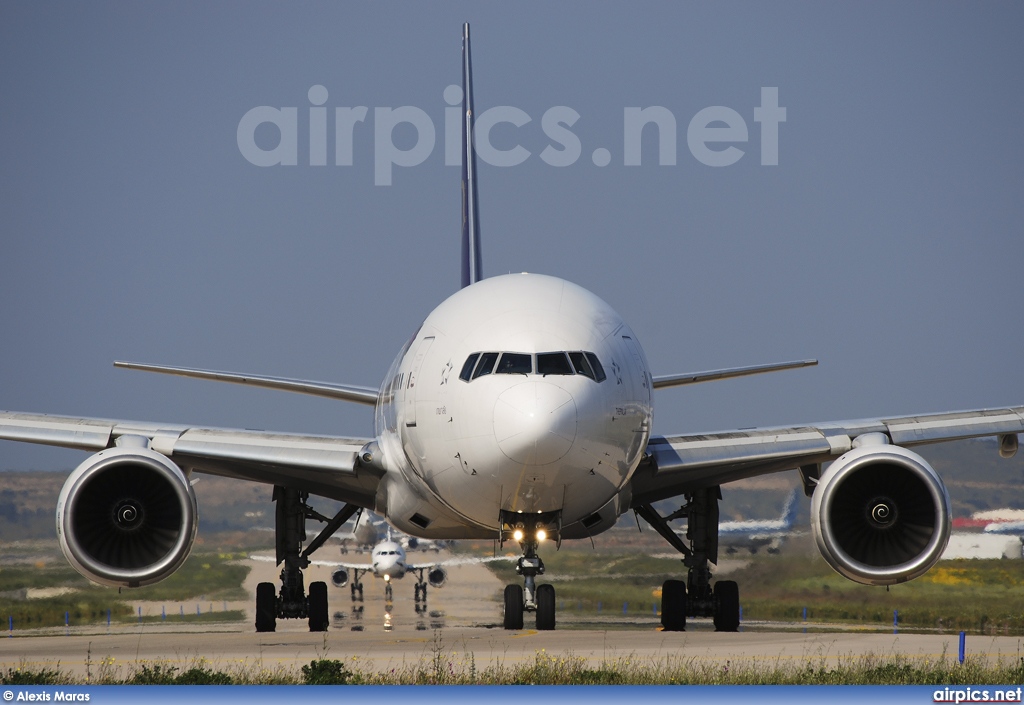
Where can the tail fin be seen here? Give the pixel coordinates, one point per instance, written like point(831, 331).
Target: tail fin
point(790, 509)
point(471, 261)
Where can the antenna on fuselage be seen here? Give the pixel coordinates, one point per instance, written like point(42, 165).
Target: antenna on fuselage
point(471, 261)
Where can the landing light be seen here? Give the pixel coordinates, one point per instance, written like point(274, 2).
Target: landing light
point(541, 534)
point(387, 578)
point(517, 534)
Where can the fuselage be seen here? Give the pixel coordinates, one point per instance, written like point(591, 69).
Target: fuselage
point(522, 393)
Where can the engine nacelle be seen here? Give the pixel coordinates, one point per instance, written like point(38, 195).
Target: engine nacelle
point(437, 576)
point(880, 515)
point(339, 577)
point(127, 517)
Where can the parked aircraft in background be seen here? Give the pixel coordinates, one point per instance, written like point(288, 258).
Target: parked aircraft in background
point(367, 531)
point(756, 534)
point(1015, 528)
point(364, 534)
point(989, 517)
point(521, 410)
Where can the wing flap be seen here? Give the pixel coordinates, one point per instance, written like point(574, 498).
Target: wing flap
point(257, 447)
point(943, 427)
point(63, 431)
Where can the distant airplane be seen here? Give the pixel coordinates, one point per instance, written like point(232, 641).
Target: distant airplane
point(367, 531)
point(1014, 528)
point(755, 534)
point(388, 561)
point(521, 409)
point(364, 534)
point(990, 517)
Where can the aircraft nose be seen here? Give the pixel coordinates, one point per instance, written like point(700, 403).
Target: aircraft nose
point(535, 423)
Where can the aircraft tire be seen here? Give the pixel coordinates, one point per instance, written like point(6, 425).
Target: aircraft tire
point(318, 620)
point(727, 606)
point(513, 607)
point(266, 607)
point(545, 607)
point(673, 606)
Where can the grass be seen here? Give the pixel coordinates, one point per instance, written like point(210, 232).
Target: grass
point(977, 596)
point(210, 576)
point(213, 576)
point(444, 666)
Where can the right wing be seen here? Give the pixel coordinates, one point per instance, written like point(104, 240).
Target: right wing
point(677, 464)
point(328, 466)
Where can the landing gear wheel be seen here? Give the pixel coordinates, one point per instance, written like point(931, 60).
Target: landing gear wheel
point(387, 592)
point(727, 606)
point(266, 607)
point(545, 607)
point(318, 621)
point(513, 607)
point(673, 606)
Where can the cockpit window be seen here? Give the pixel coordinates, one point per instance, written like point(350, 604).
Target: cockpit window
point(582, 365)
point(486, 364)
point(553, 363)
point(595, 364)
point(467, 369)
point(576, 362)
point(515, 364)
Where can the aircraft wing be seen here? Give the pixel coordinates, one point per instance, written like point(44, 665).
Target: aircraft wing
point(461, 560)
point(677, 464)
point(324, 465)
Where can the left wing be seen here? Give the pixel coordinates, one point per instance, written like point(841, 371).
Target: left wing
point(677, 464)
point(329, 466)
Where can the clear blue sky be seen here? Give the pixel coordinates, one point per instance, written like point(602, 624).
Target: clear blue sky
point(886, 242)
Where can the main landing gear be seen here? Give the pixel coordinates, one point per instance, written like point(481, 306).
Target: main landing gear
point(695, 597)
point(292, 602)
point(529, 531)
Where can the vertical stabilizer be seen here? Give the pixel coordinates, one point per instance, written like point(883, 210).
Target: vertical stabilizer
point(470, 217)
point(789, 510)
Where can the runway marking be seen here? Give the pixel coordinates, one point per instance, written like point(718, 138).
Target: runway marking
point(528, 632)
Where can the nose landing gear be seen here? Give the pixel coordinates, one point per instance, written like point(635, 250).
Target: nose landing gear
point(529, 531)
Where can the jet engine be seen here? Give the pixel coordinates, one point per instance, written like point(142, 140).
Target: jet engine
point(437, 576)
point(339, 577)
point(127, 517)
point(880, 515)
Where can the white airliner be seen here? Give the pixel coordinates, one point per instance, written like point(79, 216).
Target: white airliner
point(520, 409)
point(389, 562)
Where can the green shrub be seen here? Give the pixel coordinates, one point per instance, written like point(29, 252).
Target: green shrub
point(323, 671)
